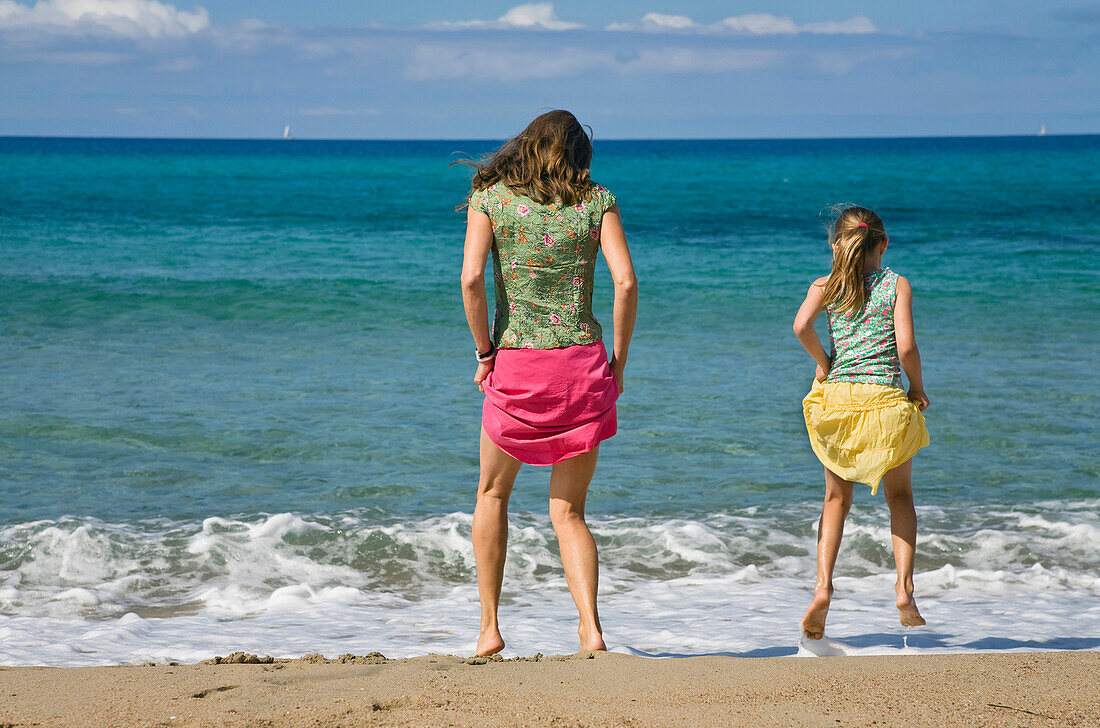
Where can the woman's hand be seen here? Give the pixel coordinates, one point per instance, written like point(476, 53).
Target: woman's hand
point(483, 369)
point(617, 369)
point(918, 396)
point(822, 373)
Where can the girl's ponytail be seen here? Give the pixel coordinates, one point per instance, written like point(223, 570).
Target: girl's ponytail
point(857, 231)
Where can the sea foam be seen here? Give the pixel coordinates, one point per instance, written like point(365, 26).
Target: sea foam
point(80, 591)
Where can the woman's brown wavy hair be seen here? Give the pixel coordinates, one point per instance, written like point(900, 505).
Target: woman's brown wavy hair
point(547, 161)
point(856, 232)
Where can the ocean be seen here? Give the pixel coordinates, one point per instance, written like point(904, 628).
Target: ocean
point(237, 410)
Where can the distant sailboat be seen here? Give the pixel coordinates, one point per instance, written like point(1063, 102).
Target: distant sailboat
point(1042, 129)
point(286, 132)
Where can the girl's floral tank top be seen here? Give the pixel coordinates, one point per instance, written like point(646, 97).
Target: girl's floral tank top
point(864, 348)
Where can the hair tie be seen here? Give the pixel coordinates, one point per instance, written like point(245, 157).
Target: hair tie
point(862, 224)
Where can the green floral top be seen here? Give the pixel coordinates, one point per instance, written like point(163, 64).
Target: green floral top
point(865, 348)
point(544, 264)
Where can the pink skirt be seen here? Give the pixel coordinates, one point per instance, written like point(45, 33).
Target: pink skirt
point(543, 406)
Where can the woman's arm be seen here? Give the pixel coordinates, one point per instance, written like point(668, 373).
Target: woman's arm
point(804, 320)
point(617, 255)
point(479, 242)
point(907, 342)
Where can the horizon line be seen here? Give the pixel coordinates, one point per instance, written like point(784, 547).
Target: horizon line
point(499, 139)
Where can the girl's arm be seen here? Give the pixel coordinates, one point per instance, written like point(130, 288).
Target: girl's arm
point(617, 255)
point(479, 242)
point(907, 342)
point(804, 320)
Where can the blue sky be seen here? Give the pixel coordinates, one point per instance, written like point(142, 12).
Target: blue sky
point(668, 68)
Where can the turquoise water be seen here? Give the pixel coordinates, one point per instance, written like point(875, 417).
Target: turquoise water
point(257, 340)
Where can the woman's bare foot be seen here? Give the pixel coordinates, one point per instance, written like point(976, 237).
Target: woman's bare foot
point(489, 643)
point(591, 641)
point(907, 610)
point(813, 623)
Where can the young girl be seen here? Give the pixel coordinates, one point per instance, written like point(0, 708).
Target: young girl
point(863, 427)
point(549, 389)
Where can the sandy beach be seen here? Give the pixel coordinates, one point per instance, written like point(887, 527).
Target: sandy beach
point(1012, 689)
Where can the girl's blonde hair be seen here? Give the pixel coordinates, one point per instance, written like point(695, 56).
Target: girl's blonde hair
point(856, 232)
point(547, 161)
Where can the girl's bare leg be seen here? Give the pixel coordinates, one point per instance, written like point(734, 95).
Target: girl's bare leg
point(490, 536)
point(830, 529)
point(568, 489)
point(903, 529)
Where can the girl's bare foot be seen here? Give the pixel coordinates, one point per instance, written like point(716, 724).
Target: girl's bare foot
point(907, 610)
point(489, 643)
point(591, 641)
point(813, 623)
point(906, 607)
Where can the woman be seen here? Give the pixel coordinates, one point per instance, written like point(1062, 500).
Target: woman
point(549, 389)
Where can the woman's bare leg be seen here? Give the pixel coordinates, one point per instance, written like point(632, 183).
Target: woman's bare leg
point(569, 482)
point(903, 530)
point(830, 529)
point(490, 535)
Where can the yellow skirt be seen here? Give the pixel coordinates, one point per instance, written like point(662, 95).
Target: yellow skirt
point(860, 431)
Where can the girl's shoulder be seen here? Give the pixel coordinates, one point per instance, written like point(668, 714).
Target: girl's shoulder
point(893, 285)
point(902, 285)
point(816, 292)
point(892, 279)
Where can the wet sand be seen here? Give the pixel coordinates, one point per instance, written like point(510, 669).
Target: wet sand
point(1008, 689)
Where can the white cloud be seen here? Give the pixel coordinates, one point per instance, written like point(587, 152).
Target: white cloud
point(331, 111)
point(760, 24)
point(749, 24)
point(535, 15)
point(532, 16)
point(768, 24)
point(668, 21)
point(657, 22)
point(129, 18)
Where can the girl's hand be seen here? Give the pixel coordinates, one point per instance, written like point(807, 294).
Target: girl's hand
point(918, 396)
point(617, 369)
point(821, 374)
point(483, 369)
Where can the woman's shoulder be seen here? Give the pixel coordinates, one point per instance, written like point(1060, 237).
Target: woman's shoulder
point(603, 198)
point(498, 195)
point(490, 197)
point(496, 189)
